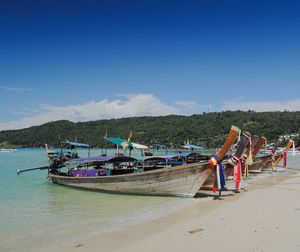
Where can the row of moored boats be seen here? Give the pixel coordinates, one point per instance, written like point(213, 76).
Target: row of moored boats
point(180, 174)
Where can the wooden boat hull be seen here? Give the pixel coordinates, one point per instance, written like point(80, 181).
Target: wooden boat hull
point(182, 181)
point(259, 163)
point(264, 163)
point(256, 167)
point(270, 162)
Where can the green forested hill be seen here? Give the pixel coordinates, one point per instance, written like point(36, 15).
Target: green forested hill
point(206, 129)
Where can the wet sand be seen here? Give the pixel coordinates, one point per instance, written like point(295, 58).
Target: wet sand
point(263, 217)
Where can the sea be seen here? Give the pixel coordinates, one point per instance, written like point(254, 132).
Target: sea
point(37, 215)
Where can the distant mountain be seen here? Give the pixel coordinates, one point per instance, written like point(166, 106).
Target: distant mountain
point(207, 129)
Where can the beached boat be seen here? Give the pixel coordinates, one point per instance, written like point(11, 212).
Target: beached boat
point(266, 159)
point(182, 180)
point(260, 163)
point(283, 155)
point(230, 163)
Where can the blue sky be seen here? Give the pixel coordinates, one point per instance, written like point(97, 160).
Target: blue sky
point(90, 60)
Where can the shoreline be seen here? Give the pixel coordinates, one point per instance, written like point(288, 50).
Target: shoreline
point(245, 220)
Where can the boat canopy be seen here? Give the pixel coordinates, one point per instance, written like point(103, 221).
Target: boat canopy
point(115, 140)
point(191, 146)
point(177, 155)
point(157, 158)
point(99, 159)
point(188, 154)
point(90, 159)
point(164, 160)
point(167, 156)
point(159, 146)
point(139, 146)
point(121, 141)
point(185, 155)
point(78, 144)
point(120, 159)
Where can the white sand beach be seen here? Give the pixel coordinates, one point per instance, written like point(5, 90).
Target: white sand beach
point(263, 217)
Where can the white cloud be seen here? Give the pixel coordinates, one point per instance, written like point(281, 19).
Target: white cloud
point(260, 106)
point(187, 104)
point(16, 89)
point(125, 106)
point(188, 107)
point(191, 107)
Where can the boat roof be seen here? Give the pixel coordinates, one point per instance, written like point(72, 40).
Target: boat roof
point(157, 158)
point(139, 146)
point(191, 146)
point(178, 155)
point(159, 145)
point(77, 144)
point(187, 154)
point(120, 141)
point(115, 140)
point(110, 159)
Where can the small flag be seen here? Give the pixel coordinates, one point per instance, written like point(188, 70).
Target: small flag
point(130, 136)
point(106, 134)
point(293, 149)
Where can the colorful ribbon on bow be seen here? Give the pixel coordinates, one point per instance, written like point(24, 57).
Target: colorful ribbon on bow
point(237, 175)
point(219, 178)
point(284, 156)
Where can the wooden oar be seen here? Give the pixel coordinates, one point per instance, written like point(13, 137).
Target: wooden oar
point(32, 169)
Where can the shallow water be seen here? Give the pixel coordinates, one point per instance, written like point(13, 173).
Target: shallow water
point(36, 214)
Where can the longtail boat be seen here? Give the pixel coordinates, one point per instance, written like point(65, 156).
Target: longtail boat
point(182, 180)
point(259, 162)
point(234, 159)
point(228, 165)
point(264, 161)
point(283, 154)
point(247, 159)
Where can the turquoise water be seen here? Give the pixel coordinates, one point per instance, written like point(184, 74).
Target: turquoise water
point(34, 212)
